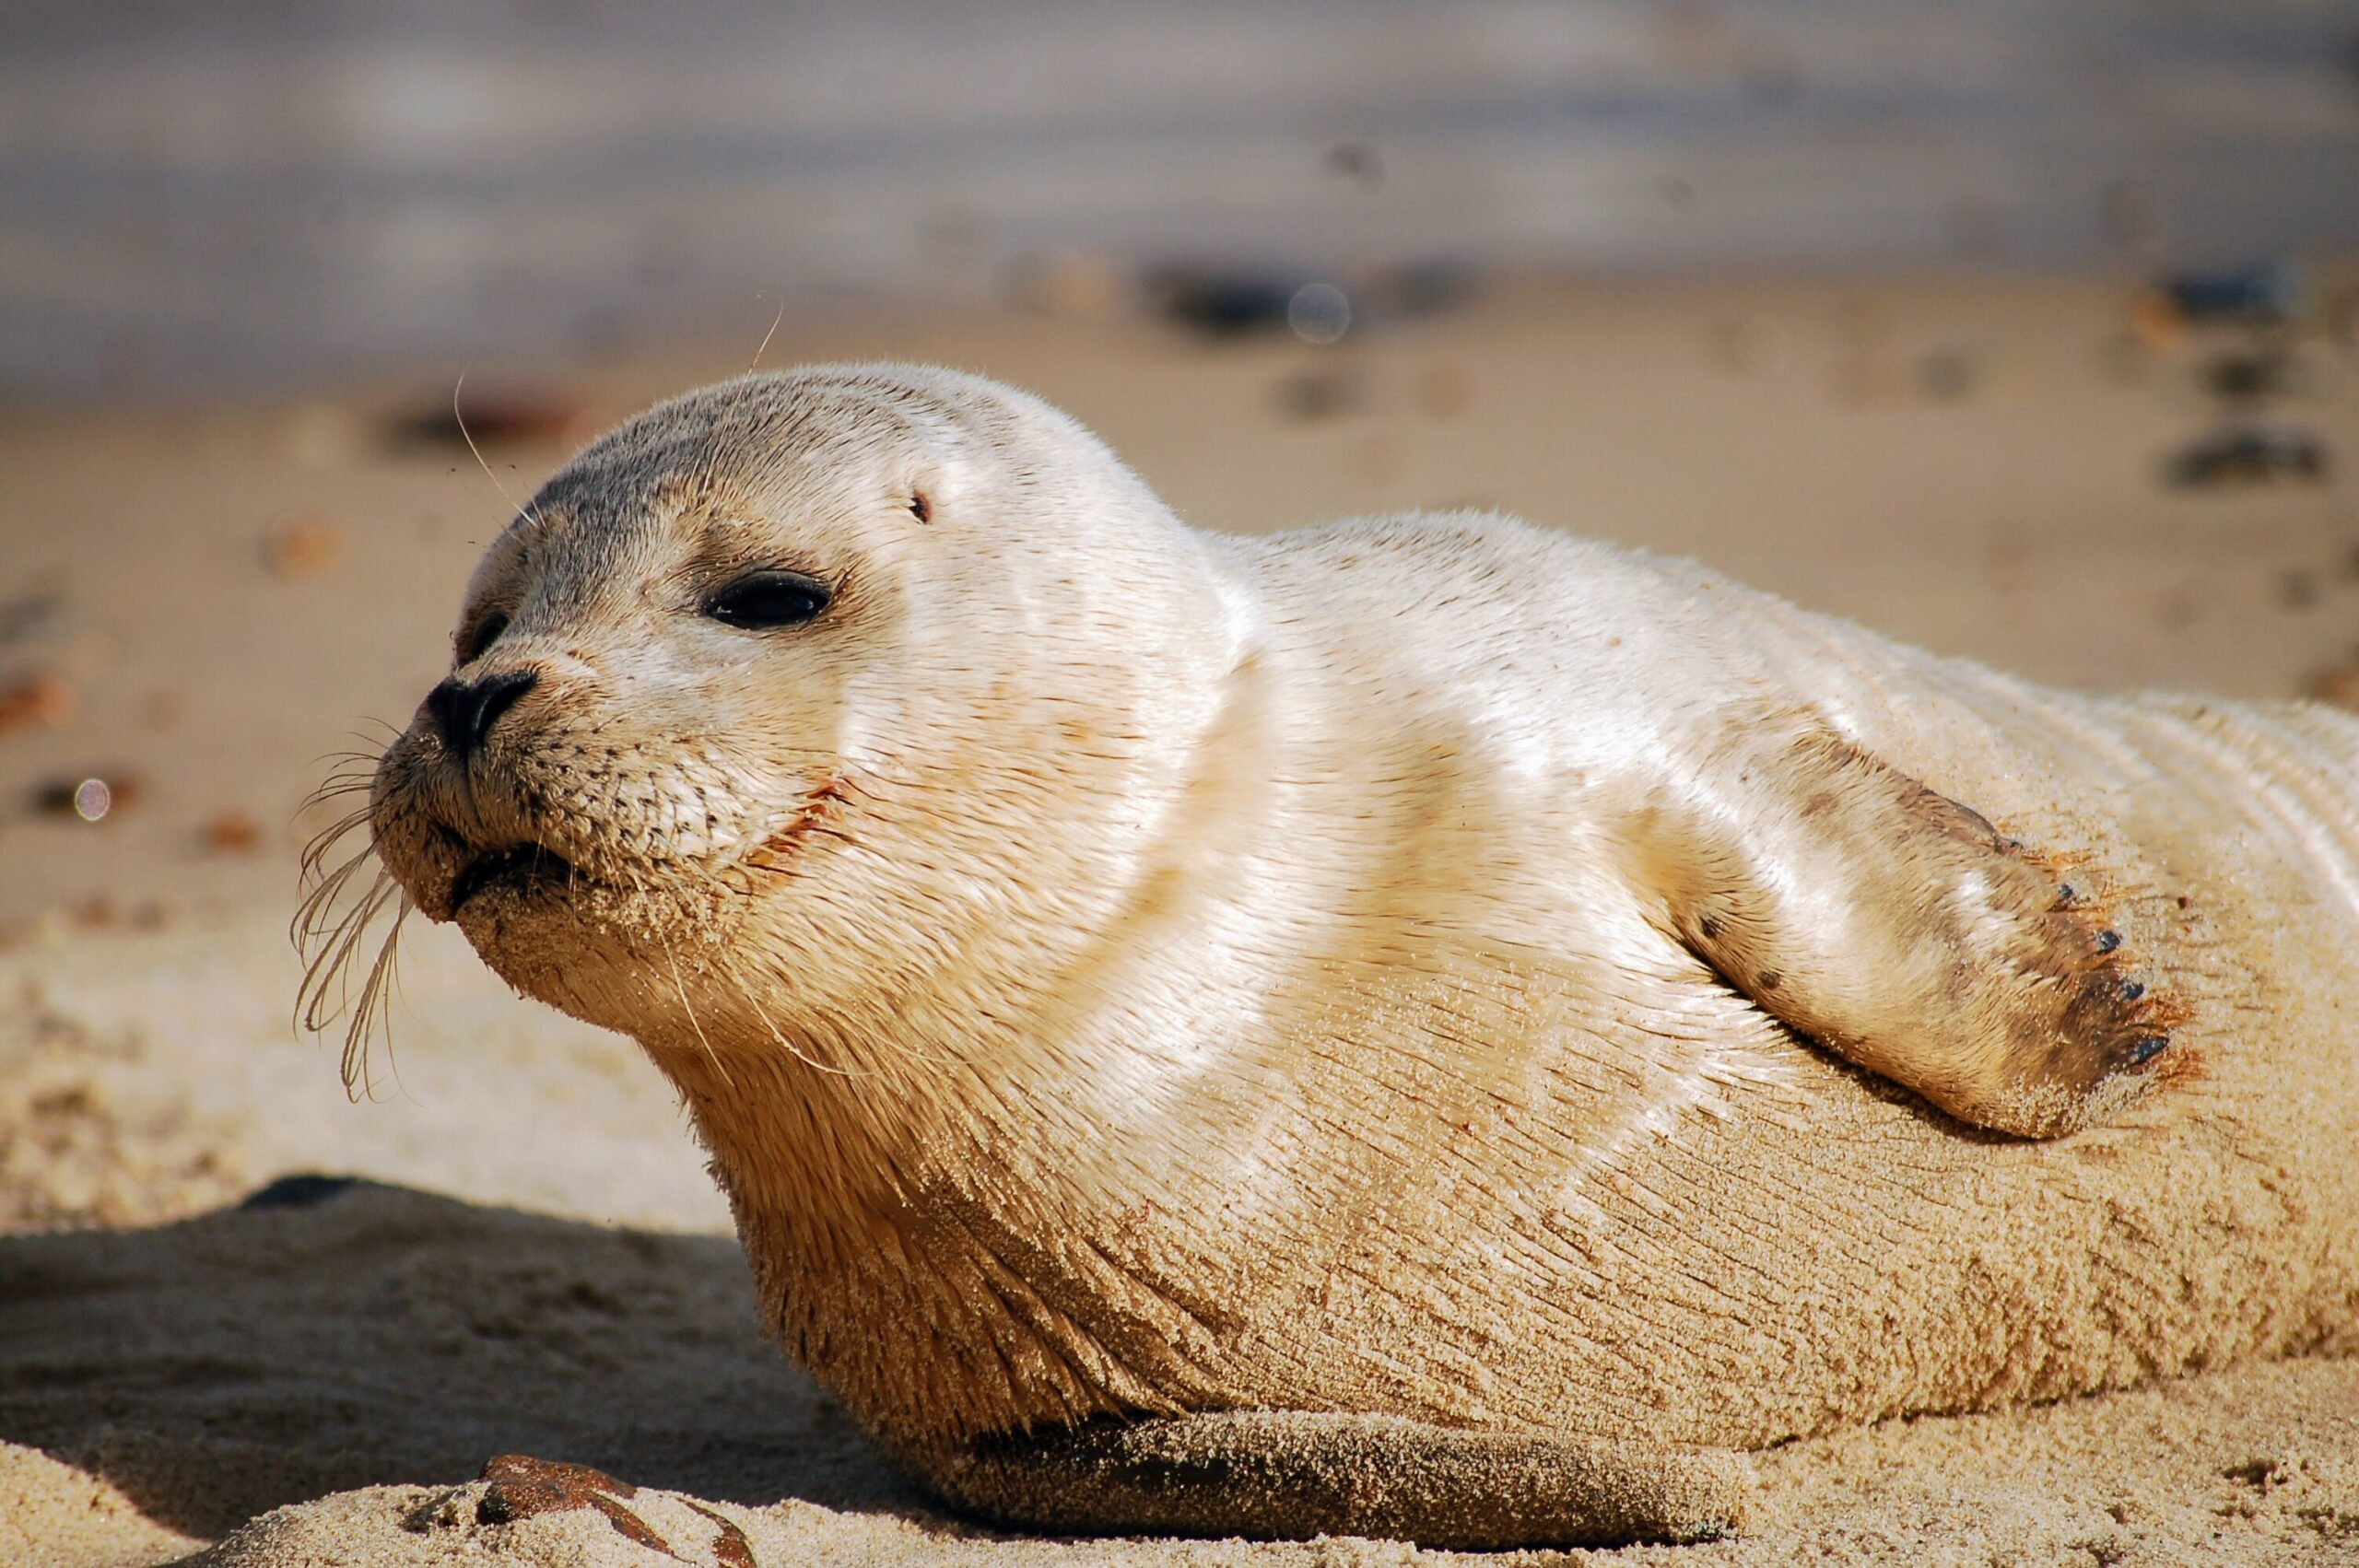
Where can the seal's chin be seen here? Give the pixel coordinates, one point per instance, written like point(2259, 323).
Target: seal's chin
point(518, 870)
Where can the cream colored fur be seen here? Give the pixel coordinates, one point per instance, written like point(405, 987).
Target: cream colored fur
point(1125, 971)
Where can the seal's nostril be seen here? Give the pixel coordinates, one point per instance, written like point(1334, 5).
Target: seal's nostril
point(464, 711)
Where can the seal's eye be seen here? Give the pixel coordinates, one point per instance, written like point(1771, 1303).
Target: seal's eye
point(761, 602)
point(482, 635)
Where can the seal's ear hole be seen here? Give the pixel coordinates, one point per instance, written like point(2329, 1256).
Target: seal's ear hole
point(920, 507)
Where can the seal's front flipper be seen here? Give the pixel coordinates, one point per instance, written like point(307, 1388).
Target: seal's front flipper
point(1284, 1475)
point(1901, 930)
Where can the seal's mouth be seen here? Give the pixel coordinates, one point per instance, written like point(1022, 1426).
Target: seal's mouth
point(521, 868)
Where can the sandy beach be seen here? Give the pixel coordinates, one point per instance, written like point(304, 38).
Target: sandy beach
point(244, 1319)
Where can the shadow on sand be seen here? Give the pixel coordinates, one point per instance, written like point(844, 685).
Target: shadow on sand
point(330, 1334)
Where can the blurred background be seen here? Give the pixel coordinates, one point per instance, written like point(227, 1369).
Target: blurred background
point(258, 193)
point(2023, 331)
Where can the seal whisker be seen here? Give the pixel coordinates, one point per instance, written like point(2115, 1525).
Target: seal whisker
point(734, 978)
point(331, 922)
point(330, 940)
point(745, 382)
point(324, 841)
point(680, 990)
point(373, 1014)
point(313, 916)
point(336, 787)
point(338, 938)
point(365, 760)
point(526, 511)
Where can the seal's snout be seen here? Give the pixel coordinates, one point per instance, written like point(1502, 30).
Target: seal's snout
point(463, 711)
point(458, 807)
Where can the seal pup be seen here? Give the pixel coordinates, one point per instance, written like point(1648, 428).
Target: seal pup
point(1422, 1026)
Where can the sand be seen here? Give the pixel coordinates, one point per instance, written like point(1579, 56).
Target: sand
point(200, 605)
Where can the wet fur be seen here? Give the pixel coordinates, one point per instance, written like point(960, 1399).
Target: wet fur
point(1403, 969)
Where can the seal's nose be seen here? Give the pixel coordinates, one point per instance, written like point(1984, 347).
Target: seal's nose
point(465, 710)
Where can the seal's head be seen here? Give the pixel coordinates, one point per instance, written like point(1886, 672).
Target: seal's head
point(785, 701)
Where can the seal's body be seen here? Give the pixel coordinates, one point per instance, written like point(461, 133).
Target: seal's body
point(1416, 1025)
